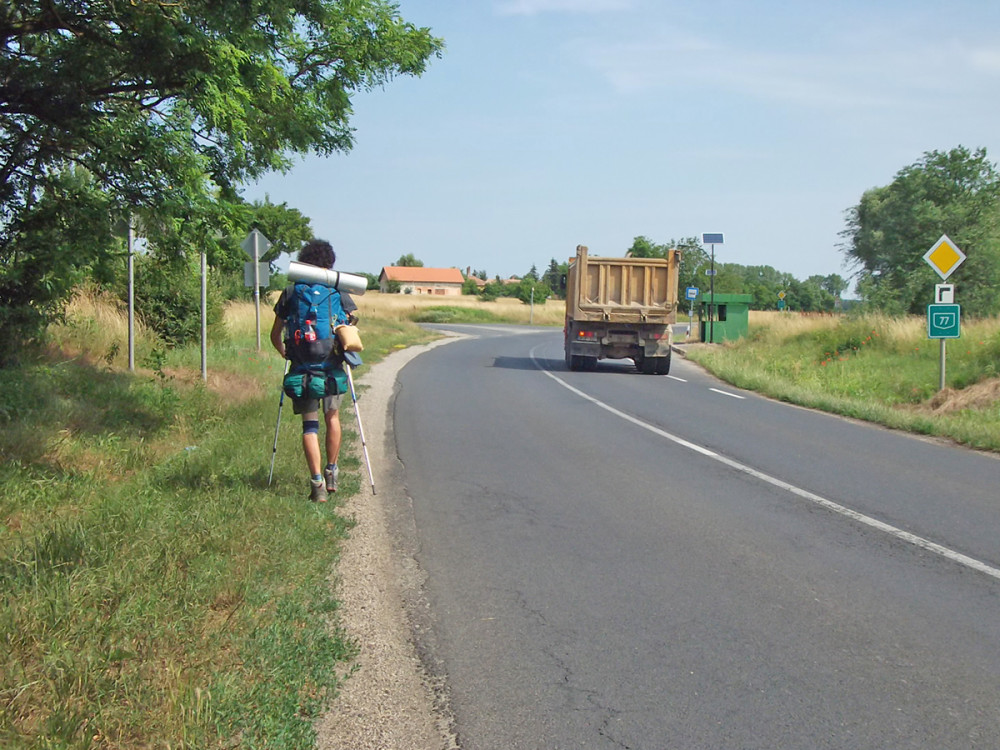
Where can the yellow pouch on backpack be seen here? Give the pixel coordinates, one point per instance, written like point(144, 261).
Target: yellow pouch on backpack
point(350, 340)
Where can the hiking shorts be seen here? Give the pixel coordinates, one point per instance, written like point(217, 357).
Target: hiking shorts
point(308, 405)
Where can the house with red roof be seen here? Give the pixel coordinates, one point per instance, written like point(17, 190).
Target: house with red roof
point(420, 280)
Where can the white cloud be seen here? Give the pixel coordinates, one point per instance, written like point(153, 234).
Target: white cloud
point(535, 7)
point(985, 60)
point(834, 75)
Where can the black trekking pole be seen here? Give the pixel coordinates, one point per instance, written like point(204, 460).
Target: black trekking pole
point(274, 448)
point(352, 360)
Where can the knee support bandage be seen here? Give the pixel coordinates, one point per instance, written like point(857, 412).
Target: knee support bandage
point(310, 426)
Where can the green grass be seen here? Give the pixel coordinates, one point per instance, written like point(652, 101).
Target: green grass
point(873, 368)
point(156, 592)
point(446, 314)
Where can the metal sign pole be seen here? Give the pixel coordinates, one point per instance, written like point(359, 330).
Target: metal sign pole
point(711, 307)
point(131, 295)
point(204, 316)
point(256, 283)
point(942, 365)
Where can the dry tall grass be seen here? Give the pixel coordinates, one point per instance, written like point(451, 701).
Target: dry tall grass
point(779, 326)
point(771, 325)
point(240, 321)
point(374, 304)
point(96, 328)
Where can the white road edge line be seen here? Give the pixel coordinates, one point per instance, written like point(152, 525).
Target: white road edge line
point(905, 536)
point(727, 393)
point(679, 380)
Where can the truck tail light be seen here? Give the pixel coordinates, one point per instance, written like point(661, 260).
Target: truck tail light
point(585, 334)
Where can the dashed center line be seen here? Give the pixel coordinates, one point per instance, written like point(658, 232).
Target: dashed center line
point(727, 393)
point(893, 531)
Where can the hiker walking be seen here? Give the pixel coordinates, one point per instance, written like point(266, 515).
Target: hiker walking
point(305, 317)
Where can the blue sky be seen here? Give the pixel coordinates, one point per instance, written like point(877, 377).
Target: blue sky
point(552, 123)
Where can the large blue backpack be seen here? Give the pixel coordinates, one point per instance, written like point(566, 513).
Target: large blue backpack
point(314, 311)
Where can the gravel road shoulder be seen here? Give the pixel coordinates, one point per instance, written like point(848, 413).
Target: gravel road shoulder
point(393, 700)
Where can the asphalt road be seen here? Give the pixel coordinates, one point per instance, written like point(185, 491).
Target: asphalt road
point(617, 560)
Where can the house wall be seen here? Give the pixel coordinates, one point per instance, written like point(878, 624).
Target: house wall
point(448, 290)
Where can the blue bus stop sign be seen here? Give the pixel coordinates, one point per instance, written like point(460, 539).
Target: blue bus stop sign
point(691, 293)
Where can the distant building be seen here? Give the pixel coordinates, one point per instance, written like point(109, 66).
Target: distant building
point(480, 283)
point(419, 280)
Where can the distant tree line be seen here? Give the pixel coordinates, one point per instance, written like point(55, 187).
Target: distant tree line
point(954, 193)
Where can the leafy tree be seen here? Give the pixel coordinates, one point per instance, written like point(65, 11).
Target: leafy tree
point(643, 247)
point(694, 260)
point(286, 228)
point(168, 297)
point(728, 279)
point(529, 290)
point(955, 193)
point(65, 231)
point(166, 107)
point(532, 275)
point(409, 261)
point(492, 290)
point(555, 277)
point(834, 284)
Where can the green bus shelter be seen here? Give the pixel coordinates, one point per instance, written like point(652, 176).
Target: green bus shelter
point(725, 317)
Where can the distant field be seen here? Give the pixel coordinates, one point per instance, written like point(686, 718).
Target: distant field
point(504, 310)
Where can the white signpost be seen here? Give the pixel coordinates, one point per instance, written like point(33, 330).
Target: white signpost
point(255, 245)
point(690, 294)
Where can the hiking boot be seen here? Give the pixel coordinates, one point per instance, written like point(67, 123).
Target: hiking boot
point(317, 491)
point(331, 472)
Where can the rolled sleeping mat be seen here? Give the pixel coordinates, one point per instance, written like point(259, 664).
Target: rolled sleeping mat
point(342, 282)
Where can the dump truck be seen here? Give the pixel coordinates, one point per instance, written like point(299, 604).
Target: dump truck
point(620, 308)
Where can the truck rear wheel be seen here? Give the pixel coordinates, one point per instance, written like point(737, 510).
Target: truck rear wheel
point(654, 365)
point(663, 365)
point(578, 362)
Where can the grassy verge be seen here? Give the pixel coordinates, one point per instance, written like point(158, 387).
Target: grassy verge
point(879, 369)
point(156, 592)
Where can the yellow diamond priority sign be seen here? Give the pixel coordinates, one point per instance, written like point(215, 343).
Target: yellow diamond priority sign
point(944, 257)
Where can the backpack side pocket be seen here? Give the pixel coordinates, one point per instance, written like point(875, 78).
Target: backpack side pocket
point(294, 384)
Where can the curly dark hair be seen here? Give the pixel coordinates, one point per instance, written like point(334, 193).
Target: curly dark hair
point(318, 253)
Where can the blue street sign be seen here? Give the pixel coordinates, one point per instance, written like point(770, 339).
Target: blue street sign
point(691, 293)
point(712, 239)
point(944, 321)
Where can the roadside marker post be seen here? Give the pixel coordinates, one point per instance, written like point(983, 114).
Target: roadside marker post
point(691, 294)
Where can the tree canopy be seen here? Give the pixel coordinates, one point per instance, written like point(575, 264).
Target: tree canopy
point(817, 293)
point(409, 260)
point(956, 193)
point(120, 107)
